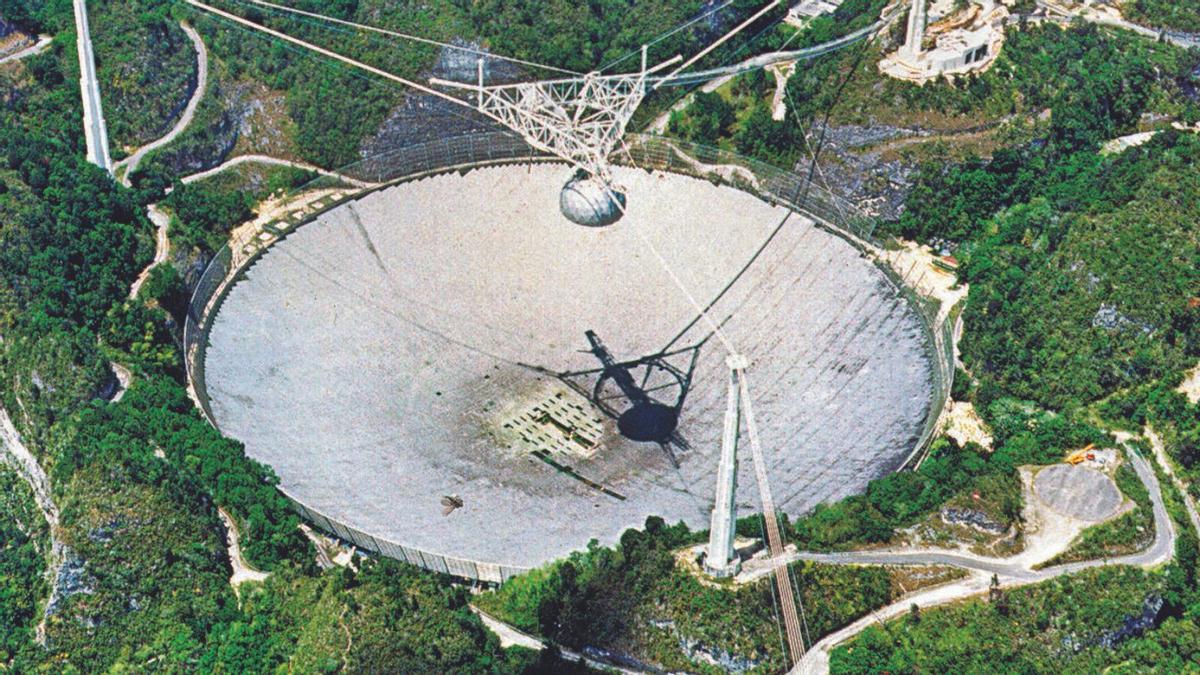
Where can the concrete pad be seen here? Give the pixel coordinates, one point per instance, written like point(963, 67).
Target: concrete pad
point(1079, 492)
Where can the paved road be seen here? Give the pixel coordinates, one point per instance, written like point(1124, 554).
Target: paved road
point(130, 164)
point(36, 48)
point(981, 568)
point(93, 114)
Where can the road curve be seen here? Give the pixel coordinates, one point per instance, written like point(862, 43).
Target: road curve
point(816, 660)
point(36, 48)
point(130, 163)
point(1160, 453)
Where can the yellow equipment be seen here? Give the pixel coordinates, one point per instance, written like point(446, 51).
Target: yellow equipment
point(1079, 455)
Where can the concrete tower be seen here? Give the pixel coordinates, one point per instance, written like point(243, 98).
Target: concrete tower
point(916, 29)
point(721, 560)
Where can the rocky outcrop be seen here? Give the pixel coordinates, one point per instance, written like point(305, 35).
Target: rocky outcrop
point(972, 518)
point(699, 652)
point(1132, 626)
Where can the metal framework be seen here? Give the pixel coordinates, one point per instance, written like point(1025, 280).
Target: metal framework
point(580, 119)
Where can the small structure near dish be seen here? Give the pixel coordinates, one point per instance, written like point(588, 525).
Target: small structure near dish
point(944, 40)
point(1078, 492)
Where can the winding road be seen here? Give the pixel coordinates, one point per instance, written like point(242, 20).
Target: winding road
point(242, 570)
point(1010, 574)
point(1160, 453)
point(130, 163)
point(162, 247)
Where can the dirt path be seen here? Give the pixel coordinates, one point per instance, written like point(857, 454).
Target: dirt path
point(36, 48)
point(1190, 387)
point(124, 377)
point(242, 571)
point(510, 635)
point(162, 247)
point(659, 125)
point(130, 164)
point(267, 159)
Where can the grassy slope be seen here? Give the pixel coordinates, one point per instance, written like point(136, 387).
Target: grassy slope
point(146, 67)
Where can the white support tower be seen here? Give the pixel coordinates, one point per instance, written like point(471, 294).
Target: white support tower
point(916, 29)
point(721, 560)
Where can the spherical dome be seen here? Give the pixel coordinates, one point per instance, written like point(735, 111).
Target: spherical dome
point(586, 200)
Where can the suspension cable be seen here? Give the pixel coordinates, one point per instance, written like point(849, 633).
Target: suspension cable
point(665, 35)
point(407, 36)
point(721, 40)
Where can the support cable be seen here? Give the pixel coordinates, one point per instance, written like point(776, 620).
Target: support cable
point(407, 36)
point(664, 36)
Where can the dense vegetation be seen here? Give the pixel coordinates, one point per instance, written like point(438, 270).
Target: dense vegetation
point(387, 617)
point(1183, 16)
point(739, 116)
point(1099, 80)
